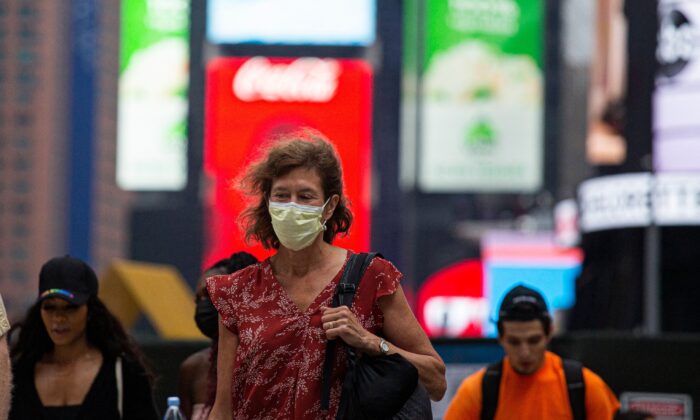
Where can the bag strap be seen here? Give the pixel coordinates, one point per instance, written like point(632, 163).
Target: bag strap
point(120, 385)
point(490, 387)
point(573, 372)
point(344, 295)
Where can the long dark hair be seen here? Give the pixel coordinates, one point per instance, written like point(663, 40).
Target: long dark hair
point(103, 331)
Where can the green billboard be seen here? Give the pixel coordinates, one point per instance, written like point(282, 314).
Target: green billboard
point(482, 96)
point(153, 83)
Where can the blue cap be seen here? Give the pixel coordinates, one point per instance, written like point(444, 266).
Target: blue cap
point(174, 401)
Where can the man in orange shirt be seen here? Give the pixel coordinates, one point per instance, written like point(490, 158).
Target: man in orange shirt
point(530, 382)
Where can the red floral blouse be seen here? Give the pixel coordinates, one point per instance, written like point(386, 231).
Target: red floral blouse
point(278, 367)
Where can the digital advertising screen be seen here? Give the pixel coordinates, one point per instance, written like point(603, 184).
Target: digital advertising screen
point(153, 85)
point(534, 260)
point(451, 302)
point(249, 101)
point(482, 110)
point(605, 137)
point(462, 300)
point(677, 96)
point(297, 22)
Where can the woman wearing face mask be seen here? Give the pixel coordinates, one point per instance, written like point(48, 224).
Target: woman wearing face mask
point(197, 382)
point(72, 359)
point(275, 315)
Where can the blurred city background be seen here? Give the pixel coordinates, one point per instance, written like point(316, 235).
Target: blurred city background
point(485, 143)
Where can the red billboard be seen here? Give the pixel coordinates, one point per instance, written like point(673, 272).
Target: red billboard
point(253, 99)
point(451, 302)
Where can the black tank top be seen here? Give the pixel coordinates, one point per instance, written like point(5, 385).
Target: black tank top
point(61, 412)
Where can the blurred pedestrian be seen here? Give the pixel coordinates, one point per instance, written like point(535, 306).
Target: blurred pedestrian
point(530, 382)
point(72, 358)
point(5, 369)
point(275, 315)
point(197, 382)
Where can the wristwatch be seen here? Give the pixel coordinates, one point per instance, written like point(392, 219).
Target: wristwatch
point(383, 347)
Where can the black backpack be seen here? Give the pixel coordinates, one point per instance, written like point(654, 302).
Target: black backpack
point(573, 372)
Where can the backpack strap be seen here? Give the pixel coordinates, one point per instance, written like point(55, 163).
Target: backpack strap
point(490, 387)
point(573, 372)
point(344, 295)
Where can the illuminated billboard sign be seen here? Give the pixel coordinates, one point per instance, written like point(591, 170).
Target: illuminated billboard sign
point(153, 84)
point(532, 259)
point(483, 97)
point(462, 300)
point(251, 100)
point(451, 302)
point(677, 95)
point(327, 22)
point(638, 200)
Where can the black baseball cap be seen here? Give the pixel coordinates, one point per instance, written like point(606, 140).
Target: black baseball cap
point(522, 303)
point(67, 278)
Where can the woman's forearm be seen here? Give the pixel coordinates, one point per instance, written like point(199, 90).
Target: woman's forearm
point(431, 370)
point(431, 373)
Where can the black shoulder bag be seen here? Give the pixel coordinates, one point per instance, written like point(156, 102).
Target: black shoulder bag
point(374, 388)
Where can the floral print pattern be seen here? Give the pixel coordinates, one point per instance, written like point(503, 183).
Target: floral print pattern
point(279, 363)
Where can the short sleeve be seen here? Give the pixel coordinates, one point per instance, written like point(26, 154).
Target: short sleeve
point(4, 323)
point(388, 277)
point(380, 279)
point(222, 291)
point(601, 402)
point(466, 404)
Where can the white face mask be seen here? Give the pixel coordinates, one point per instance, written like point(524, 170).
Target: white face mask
point(296, 225)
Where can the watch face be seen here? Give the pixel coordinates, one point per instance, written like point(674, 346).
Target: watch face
point(384, 347)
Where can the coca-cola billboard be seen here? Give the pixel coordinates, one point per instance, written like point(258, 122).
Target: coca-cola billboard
point(251, 100)
point(303, 80)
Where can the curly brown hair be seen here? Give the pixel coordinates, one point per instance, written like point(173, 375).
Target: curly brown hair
point(305, 148)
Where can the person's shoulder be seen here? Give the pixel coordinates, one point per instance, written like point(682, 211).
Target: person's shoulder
point(590, 378)
point(552, 357)
point(251, 270)
point(196, 360)
point(466, 403)
point(381, 265)
point(381, 277)
point(588, 375)
point(241, 276)
point(475, 378)
point(22, 369)
point(130, 364)
point(471, 385)
point(195, 363)
point(600, 399)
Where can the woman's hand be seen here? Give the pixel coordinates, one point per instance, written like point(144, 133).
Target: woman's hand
point(402, 332)
point(341, 323)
